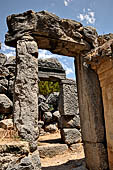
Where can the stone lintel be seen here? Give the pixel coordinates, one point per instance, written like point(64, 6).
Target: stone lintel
point(68, 82)
point(61, 36)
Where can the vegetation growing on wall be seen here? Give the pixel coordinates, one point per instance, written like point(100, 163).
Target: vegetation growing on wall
point(47, 87)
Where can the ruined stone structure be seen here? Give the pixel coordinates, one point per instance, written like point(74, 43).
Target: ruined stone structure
point(93, 61)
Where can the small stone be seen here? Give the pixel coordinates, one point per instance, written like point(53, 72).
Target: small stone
point(51, 128)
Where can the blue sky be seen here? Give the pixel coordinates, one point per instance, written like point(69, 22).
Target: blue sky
point(96, 13)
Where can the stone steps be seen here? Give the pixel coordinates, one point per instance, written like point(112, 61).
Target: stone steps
point(52, 150)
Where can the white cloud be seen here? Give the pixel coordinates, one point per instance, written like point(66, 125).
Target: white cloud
point(66, 2)
point(47, 54)
point(8, 51)
point(88, 16)
point(67, 69)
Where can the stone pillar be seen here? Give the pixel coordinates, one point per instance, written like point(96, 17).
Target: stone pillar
point(26, 91)
point(105, 73)
point(68, 107)
point(91, 116)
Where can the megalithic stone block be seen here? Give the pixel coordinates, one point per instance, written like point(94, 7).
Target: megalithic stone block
point(91, 115)
point(26, 91)
point(68, 104)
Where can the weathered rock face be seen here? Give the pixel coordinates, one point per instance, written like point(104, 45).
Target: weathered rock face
point(26, 91)
point(61, 36)
point(50, 65)
point(71, 136)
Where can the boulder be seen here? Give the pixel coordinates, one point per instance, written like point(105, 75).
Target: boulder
point(47, 117)
point(70, 135)
point(53, 99)
point(6, 124)
point(51, 128)
point(6, 105)
point(44, 107)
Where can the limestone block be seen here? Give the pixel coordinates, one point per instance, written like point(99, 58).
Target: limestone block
point(90, 103)
point(61, 36)
point(68, 103)
point(96, 156)
point(52, 150)
point(26, 91)
point(70, 135)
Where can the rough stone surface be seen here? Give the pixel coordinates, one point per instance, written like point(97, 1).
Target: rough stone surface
point(70, 135)
point(41, 98)
point(47, 116)
point(53, 99)
point(56, 116)
point(91, 114)
point(51, 128)
point(3, 59)
point(12, 151)
point(30, 162)
point(70, 122)
point(44, 107)
point(61, 36)
point(6, 104)
point(52, 150)
point(96, 157)
point(6, 124)
point(3, 85)
point(68, 103)
point(26, 91)
point(50, 65)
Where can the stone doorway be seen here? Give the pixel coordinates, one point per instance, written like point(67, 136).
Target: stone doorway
point(30, 31)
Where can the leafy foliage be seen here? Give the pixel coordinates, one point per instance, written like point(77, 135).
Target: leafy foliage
point(47, 87)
